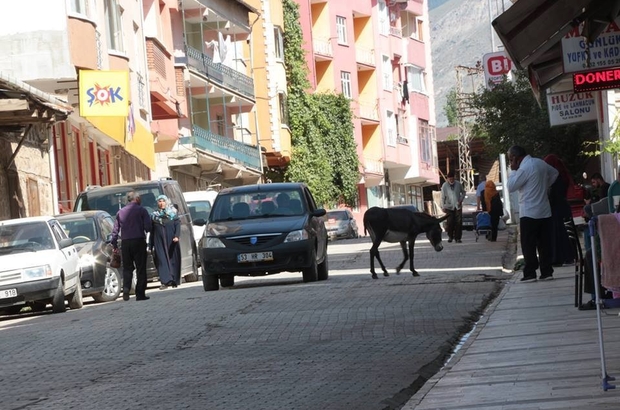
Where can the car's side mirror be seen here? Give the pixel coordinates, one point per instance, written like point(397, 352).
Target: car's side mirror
point(319, 212)
point(65, 242)
point(108, 238)
point(199, 222)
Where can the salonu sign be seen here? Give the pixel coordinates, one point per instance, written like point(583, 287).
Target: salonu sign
point(568, 107)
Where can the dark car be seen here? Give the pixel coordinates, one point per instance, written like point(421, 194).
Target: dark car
point(263, 229)
point(90, 231)
point(410, 207)
point(340, 223)
point(470, 205)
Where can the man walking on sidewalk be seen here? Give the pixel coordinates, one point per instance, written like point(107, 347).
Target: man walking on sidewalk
point(452, 195)
point(532, 178)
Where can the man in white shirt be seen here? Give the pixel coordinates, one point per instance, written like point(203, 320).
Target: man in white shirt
point(532, 178)
point(452, 195)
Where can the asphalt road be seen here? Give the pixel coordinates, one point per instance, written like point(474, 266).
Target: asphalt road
point(350, 342)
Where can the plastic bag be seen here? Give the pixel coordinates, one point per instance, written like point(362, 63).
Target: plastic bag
point(115, 260)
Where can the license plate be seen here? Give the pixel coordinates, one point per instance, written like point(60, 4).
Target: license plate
point(255, 257)
point(8, 293)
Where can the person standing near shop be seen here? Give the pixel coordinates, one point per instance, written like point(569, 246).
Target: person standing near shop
point(132, 224)
point(452, 196)
point(164, 243)
point(532, 178)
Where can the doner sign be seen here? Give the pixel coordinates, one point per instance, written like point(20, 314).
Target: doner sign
point(104, 93)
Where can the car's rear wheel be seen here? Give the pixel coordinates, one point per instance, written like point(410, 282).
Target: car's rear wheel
point(227, 280)
point(76, 301)
point(112, 287)
point(323, 269)
point(311, 273)
point(58, 301)
point(209, 282)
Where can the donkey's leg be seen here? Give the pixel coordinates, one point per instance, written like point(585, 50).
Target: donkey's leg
point(403, 245)
point(374, 252)
point(411, 268)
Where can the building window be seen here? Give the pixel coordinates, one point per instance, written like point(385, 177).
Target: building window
point(384, 18)
point(113, 25)
point(425, 135)
point(416, 79)
point(282, 103)
point(386, 71)
point(221, 125)
point(278, 42)
point(80, 7)
point(413, 27)
point(345, 82)
point(341, 28)
point(391, 129)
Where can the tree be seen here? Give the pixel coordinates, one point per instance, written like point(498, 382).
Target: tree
point(450, 109)
point(509, 115)
point(324, 153)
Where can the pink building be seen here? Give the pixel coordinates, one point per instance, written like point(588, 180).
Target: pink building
point(377, 53)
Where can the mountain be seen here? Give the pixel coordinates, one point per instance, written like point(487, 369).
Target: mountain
point(460, 35)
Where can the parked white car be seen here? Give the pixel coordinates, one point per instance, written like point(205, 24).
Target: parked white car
point(38, 265)
point(199, 204)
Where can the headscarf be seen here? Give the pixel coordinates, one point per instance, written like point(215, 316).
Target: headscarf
point(490, 190)
point(169, 211)
point(558, 164)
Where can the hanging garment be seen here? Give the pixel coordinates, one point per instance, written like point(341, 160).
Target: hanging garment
point(608, 229)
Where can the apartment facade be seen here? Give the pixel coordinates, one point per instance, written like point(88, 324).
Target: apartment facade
point(377, 53)
point(218, 141)
point(50, 49)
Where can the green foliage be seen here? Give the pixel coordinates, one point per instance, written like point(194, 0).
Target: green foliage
point(324, 153)
point(450, 109)
point(509, 115)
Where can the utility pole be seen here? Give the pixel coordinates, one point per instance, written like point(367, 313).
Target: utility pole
point(468, 79)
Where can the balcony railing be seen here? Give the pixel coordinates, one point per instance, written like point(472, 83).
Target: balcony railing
point(230, 149)
point(374, 166)
point(394, 31)
point(323, 47)
point(219, 73)
point(364, 56)
point(369, 110)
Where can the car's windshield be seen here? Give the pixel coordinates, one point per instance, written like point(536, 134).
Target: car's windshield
point(113, 201)
point(264, 203)
point(337, 215)
point(81, 230)
point(26, 237)
point(199, 209)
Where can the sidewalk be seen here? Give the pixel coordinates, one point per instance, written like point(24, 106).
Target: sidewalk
point(532, 349)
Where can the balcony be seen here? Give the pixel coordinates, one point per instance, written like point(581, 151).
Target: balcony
point(365, 58)
point(323, 49)
point(369, 112)
point(373, 166)
point(396, 32)
point(219, 74)
point(226, 148)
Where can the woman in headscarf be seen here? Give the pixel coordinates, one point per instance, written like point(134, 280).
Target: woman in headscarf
point(164, 243)
point(492, 203)
point(560, 210)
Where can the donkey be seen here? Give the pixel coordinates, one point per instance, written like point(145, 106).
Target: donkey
point(399, 225)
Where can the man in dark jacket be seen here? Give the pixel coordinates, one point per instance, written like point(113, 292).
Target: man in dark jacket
point(132, 223)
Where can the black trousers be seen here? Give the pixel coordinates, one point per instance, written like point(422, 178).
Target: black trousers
point(454, 223)
point(134, 257)
point(537, 246)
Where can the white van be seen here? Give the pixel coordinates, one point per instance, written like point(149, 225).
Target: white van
point(199, 204)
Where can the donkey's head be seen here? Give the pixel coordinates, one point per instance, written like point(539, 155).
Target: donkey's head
point(433, 232)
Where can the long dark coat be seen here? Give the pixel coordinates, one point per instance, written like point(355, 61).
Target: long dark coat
point(496, 212)
point(560, 210)
point(166, 253)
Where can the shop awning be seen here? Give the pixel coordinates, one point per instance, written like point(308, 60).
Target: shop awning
point(531, 31)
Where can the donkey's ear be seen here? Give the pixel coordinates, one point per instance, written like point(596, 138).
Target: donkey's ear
point(443, 218)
